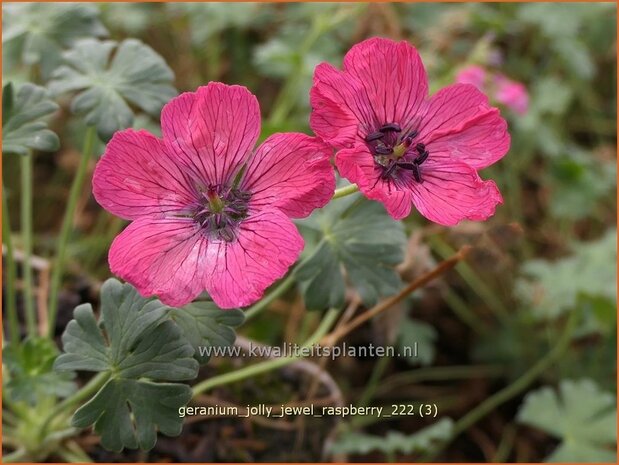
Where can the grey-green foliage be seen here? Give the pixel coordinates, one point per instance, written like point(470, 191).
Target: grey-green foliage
point(37, 33)
point(582, 416)
point(138, 346)
point(412, 331)
point(24, 125)
point(552, 288)
point(394, 441)
point(112, 77)
point(209, 18)
point(29, 375)
point(355, 236)
point(144, 346)
point(206, 325)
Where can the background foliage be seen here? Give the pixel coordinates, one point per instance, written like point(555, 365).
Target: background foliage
point(549, 252)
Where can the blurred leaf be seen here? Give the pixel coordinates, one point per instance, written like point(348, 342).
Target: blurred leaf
point(393, 441)
point(139, 346)
point(23, 120)
point(359, 237)
point(206, 325)
point(576, 56)
point(578, 183)
point(581, 415)
point(552, 288)
point(37, 33)
point(110, 78)
point(207, 19)
point(413, 331)
point(30, 371)
point(551, 96)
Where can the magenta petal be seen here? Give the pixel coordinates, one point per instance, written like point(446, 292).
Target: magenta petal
point(213, 130)
point(450, 109)
point(340, 106)
point(358, 166)
point(453, 191)
point(266, 245)
point(393, 75)
point(136, 177)
point(291, 172)
point(481, 141)
point(162, 257)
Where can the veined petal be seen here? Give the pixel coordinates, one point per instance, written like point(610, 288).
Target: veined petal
point(162, 257)
point(292, 172)
point(266, 245)
point(382, 82)
point(449, 110)
point(481, 141)
point(452, 191)
point(136, 177)
point(340, 105)
point(393, 76)
point(213, 130)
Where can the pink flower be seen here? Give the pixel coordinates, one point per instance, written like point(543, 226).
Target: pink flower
point(512, 94)
point(402, 147)
point(208, 212)
point(475, 75)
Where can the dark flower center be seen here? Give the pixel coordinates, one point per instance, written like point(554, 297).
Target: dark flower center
point(396, 151)
point(220, 210)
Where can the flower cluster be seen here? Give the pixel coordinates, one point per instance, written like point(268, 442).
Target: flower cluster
point(210, 213)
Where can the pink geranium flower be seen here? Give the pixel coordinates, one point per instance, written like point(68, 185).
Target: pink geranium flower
point(512, 94)
point(402, 147)
point(475, 75)
point(208, 212)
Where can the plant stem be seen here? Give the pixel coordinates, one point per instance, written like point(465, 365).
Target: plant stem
point(444, 266)
point(11, 309)
point(67, 223)
point(511, 390)
point(268, 365)
point(26, 230)
point(81, 395)
point(279, 290)
point(344, 191)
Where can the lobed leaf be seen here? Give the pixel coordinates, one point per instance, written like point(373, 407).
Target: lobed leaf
point(37, 33)
point(357, 237)
point(23, 120)
point(393, 441)
point(136, 342)
point(580, 414)
point(205, 325)
point(110, 78)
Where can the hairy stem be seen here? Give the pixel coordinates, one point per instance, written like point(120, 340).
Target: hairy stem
point(26, 231)
point(344, 191)
point(268, 365)
point(67, 224)
point(11, 309)
point(512, 390)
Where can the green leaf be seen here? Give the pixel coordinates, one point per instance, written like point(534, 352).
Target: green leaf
point(23, 120)
point(110, 77)
point(128, 412)
point(205, 325)
point(355, 236)
point(144, 346)
point(393, 441)
point(413, 331)
point(37, 33)
point(552, 288)
point(580, 414)
point(30, 371)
